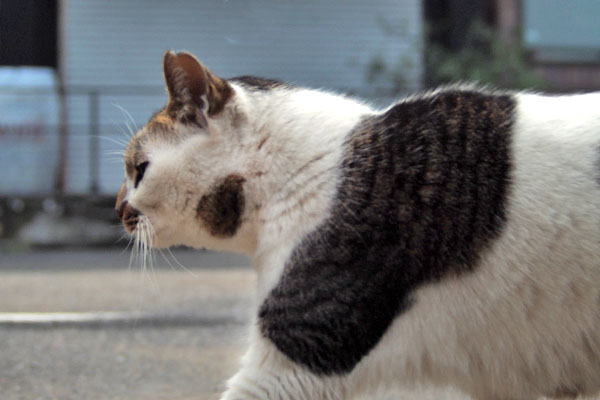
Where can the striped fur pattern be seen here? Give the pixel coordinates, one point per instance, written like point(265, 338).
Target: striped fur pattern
point(423, 191)
point(452, 239)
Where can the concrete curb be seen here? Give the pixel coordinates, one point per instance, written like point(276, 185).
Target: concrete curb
point(111, 319)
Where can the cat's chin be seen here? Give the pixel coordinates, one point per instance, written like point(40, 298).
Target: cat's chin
point(157, 240)
point(164, 242)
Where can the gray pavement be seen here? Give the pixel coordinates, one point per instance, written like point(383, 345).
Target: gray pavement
point(182, 337)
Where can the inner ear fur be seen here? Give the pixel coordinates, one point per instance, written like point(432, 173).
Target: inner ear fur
point(190, 82)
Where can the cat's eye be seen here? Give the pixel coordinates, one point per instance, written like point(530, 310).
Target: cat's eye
point(140, 170)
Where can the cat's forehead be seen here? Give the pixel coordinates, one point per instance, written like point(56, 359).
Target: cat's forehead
point(159, 128)
point(134, 153)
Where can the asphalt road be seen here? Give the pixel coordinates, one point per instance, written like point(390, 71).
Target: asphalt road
point(181, 338)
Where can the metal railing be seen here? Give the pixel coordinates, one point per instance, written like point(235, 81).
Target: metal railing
point(84, 115)
point(71, 114)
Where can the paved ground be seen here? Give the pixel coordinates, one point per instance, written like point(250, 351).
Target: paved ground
point(185, 339)
point(185, 351)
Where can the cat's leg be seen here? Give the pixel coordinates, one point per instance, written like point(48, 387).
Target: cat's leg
point(267, 374)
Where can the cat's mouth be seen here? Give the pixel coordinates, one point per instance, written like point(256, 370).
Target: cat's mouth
point(129, 216)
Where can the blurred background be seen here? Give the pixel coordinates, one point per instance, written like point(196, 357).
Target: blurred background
point(77, 77)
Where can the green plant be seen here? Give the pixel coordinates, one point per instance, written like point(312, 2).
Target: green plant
point(485, 58)
point(389, 78)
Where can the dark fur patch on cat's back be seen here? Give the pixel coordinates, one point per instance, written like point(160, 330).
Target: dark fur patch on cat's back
point(423, 192)
point(221, 209)
point(258, 83)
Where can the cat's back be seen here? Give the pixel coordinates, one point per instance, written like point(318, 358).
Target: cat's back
point(516, 171)
point(555, 148)
point(462, 243)
point(562, 129)
point(526, 142)
point(529, 307)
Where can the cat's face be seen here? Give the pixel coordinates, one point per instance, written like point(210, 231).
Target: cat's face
point(184, 178)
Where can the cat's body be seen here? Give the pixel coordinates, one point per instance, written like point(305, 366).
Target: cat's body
point(451, 239)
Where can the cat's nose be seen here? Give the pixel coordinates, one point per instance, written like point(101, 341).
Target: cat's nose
point(129, 213)
point(121, 203)
point(125, 212)
point(120, 209)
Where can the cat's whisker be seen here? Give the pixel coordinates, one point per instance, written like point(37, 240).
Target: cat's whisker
point(125, 132)
point(113, 159)
point(177, 262)
point(142, 243)
point(144, 249)
point(132, 257)
point(166, 259)
point(130, 131)
point(114, 153)
point(128, 115)
point(131, 248)
point(124, 237)
point(119, 142)
point(145, 239)
point(138, 245)
point(117, 151)
point(129, 241)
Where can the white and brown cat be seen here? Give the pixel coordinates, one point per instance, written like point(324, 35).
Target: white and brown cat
point(451, 239)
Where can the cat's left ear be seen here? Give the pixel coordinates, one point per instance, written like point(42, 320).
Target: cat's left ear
point(191, 83)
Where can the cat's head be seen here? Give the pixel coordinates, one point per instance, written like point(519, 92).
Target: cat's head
point(185, 170)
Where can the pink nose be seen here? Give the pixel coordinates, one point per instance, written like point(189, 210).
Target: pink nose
point(121, 203)
point(119, 210)
point(128, 215)
point(125, 212)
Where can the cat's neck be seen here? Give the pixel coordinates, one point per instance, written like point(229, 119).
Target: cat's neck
point(298, 139)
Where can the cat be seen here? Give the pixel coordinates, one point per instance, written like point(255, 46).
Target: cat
point(450, 239)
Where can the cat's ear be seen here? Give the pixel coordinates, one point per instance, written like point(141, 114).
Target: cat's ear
point(191, 83)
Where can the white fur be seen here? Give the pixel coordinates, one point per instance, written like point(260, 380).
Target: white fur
point(513, 329)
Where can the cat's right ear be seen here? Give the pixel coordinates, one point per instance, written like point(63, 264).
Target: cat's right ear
point(189, 83)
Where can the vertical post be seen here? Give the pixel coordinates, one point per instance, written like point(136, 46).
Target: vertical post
point(60, 182)
point(94, 148)
point(508, 20)
point(63, 142)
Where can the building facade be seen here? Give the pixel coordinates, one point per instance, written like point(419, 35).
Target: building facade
point(111, 59)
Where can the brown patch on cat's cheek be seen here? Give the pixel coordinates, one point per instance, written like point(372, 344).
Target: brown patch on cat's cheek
point(221, 210)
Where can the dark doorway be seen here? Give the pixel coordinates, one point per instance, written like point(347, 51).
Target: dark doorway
point(28, 32)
